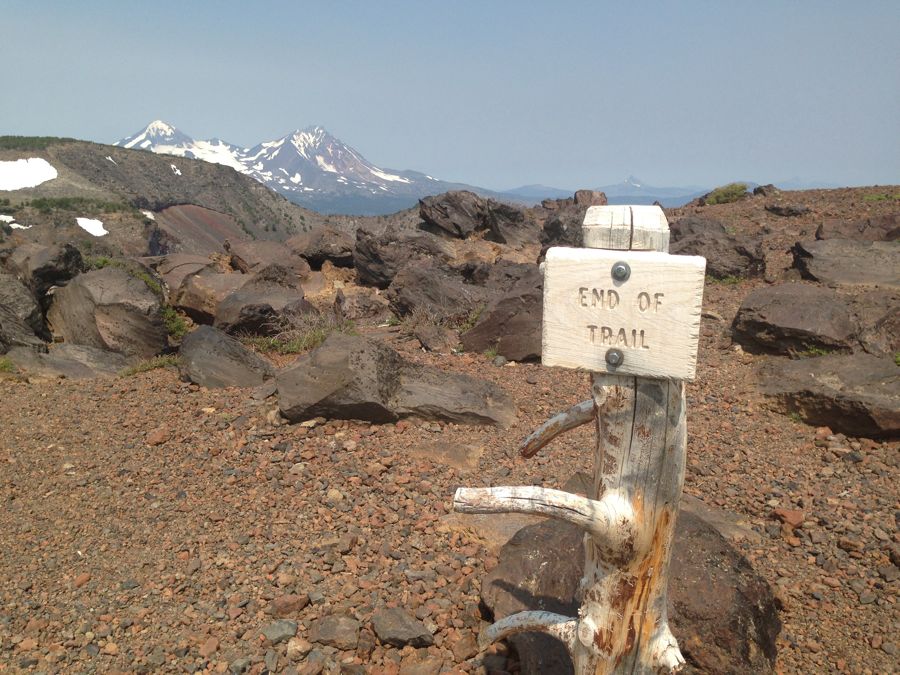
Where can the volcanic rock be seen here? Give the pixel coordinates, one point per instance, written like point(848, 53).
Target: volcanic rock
point(395, 626)
point(856, 394)
point(727, 255)
point(211, 358)
point(350, 377)
point(200, 294)
point(258, 305)
point(511, 323)
point(849, 263)
point(876, 228)
point(721, 612)
point(435, 291)
point(377, 258)
point(40, 267)
point(253, 256)
point(109, 309)
point(321, 244)
point(68, 360)
point(462, 214)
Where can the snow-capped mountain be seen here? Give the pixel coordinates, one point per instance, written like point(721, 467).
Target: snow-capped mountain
point(309, 166)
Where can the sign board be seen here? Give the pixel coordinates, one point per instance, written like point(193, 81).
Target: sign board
point(622, 312)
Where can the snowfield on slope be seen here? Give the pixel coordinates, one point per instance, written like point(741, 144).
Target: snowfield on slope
point(25, 173)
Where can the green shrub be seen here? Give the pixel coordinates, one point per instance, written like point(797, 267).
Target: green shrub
point(299, 332)
point(165, 361)
point(726, 194)
point(6, 365)
point(175, 324)
point(31, 142)
point(468, 323)
point(728, 280)
point(98, 262)
point(492, 351)
point(812, 351)
point(897, 359)
point(880, 197)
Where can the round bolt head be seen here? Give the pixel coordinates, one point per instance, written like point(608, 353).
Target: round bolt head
point(621, 271)
point(615, 357)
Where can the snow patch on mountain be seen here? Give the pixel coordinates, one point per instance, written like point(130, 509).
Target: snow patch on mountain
point(92, 226)
point(25, 173)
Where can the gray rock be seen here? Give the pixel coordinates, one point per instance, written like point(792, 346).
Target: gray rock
point(378, 258)
point(281, 630)
point(876, 228)
point(790, 318)
point(199, 294)
point(461, 214)
point(397, 627)
point(321, 244)
point(259, 305)
point(211, 358)
point(721, 612)
point(40, 267)
point(109, 309)
point(68, 360)
point(175, 268)
point(845, 262)
point(787, 210)
point(857, 394)
point(21, 303)
point(336, 630)
point(511, 323)
point(434, 291)
point(727, 255)
point(253, 256)
point(350, 377)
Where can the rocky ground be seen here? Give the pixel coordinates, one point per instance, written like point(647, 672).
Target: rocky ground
point(152, 525)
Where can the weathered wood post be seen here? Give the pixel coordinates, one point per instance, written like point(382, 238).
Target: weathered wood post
point(628, 312)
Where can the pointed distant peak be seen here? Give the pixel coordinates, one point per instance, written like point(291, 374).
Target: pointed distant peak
point(634, 181)
point(160, 128)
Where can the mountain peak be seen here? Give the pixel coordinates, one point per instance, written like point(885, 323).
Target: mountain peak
point(154, 134)
point(160, 128)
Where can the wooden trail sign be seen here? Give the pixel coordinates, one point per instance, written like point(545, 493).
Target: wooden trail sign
point(638, 409)
point(644, 306)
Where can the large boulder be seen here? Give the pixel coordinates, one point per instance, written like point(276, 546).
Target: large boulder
point(253, 256)
point(321, 244)
point(359, 302)
point(71, 361)
point(727, 255)
point(845, 262)
point(378, 257)
point(563, 226)
point(175, 268)
point(200, 294)
point(721, 612)
point(351, 377)
point(260, 304)
point(15, 332)
point(15, 297)
point(511, 322)
point(876, 228)
point(462, 214)
point(211, 358)
point(795, 318)
point(435, 291)
point(856, 394)
point(791, 318)
point(109, 309)
point(40, 267)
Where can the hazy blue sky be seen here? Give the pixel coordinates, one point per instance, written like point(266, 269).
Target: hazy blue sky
point(499, 94)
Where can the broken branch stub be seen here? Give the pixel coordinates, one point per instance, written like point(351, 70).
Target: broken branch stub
point(639, 450)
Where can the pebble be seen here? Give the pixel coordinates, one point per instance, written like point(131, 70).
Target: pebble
point(280, 631)
point(81, 579)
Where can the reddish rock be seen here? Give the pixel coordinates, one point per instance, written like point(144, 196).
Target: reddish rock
point(792, 517)
point(286, 605)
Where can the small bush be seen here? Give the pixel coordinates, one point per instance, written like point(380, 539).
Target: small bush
point(897, 359)
point(418, 318)
point(812, 351)
point(98, 262)
point(6, 365)
point(880, 197)
point(165, 361)
point(83, 205)
point(468, 323)
point(726, 194)
point(492, 351)
point(728, 280)
point(299, 332)
point(795, 417)
point(175, 324)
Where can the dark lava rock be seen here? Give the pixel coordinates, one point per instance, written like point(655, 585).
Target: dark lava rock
point(321, 244)
point(721, 612)
point(766, 190)
point(176, 267)
point(359, 302)
point(260, 304)
point(876, 228)
point(727, 255)
point(378, 258)
point(849, 263)
point(253, 256)
point(199, 294)
point(336, 630)
point(461, 214)
point(109, 309)
point(397, 627)
point(21, 320)
point(435, 291)
point(563, 227)
point(511, 323)
point(68, 360)
point(280, 631)
point(787, 210)
point(211, 358)
point(858, 394)
point(40, 267)
point(351, 377)
point(790, 318)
